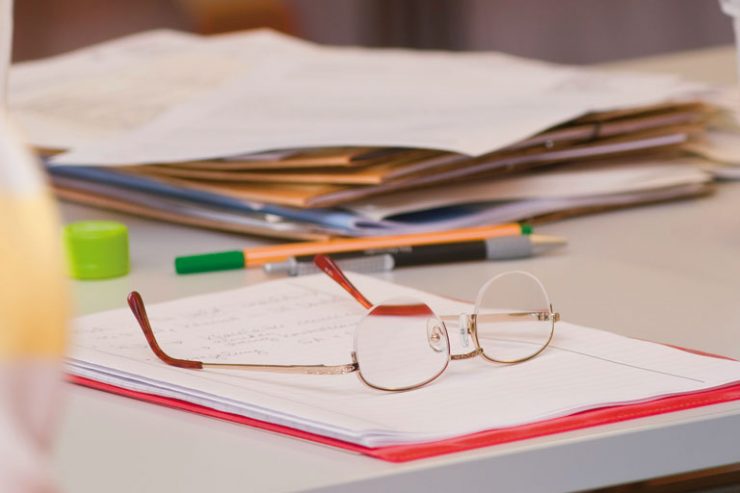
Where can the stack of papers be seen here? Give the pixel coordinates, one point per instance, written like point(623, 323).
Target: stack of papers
point(259, 132)
point(270, 323)
point(720, 143)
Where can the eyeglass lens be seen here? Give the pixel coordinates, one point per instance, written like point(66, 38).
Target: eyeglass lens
point(401, 344)
point(512, 317)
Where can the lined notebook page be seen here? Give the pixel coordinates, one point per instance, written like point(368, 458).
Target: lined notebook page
point(310, 320)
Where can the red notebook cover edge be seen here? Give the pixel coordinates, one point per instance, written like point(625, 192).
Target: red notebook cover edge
point(405, 453)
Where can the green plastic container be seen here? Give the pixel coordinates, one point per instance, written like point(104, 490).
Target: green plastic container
point(96, 249)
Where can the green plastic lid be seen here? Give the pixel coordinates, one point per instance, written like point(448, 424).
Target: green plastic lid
point(96, 249)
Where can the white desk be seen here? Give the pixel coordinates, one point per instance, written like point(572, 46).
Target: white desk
point(669, 273)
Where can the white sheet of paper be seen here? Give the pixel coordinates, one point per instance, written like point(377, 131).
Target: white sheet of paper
point(50, 98)
point(311, 320)
point(98, 92)
point(722, 146)
point(471, 103)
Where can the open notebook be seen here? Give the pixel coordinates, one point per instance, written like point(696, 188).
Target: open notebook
point(310, 320)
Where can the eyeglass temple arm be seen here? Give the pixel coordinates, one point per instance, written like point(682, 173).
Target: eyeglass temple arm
point(540, 315)
point(136, 303)
point(500, 317)
point(331, 269)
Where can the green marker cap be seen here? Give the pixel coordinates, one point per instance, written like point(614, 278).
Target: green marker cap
point(209, 262)
point(96, 249)
point(526, 228)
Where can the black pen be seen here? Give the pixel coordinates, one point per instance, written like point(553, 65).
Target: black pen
point(386, 259)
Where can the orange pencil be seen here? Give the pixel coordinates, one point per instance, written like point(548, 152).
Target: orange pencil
point(257, 256)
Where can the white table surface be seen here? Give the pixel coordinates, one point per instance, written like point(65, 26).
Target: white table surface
point(668, 272)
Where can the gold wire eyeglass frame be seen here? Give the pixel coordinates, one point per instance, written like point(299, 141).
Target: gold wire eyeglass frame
point(469, 328)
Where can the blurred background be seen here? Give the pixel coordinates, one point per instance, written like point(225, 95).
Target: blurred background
point(569, 31)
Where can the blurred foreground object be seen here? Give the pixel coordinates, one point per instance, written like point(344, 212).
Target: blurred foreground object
point(33, 306)
point(33, 310)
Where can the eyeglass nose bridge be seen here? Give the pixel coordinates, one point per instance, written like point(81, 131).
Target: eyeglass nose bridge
point(466, 325)
point(466, 331)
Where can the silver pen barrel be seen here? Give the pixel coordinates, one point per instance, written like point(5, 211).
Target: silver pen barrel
point(366, 264)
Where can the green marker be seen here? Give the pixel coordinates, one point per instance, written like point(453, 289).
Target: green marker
point(258, 256)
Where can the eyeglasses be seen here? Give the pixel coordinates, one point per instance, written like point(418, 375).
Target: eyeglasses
point(401, 344)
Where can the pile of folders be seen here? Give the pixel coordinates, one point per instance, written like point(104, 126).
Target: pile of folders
point(600, 161)
point(261, 133)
